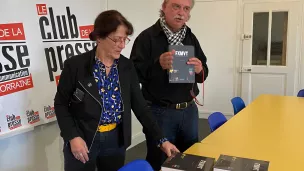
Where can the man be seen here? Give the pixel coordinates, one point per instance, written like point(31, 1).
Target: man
point(172, 104)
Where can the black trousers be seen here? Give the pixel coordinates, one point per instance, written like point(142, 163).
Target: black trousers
point(106, 154)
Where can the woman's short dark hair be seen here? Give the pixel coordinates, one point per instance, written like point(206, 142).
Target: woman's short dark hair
point(107, 22)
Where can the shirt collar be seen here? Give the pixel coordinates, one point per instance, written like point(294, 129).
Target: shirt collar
point(99, 62)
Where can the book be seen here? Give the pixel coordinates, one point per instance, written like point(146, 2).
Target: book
point(181, 72)
point(188, 162)
point(232, 163)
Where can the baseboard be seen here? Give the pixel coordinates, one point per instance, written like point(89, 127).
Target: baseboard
point(15, 132)
point(137, 138)
point(204, 114)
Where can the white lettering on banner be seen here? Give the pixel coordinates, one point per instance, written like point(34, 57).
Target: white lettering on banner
point(14, 75)
point(12, 31)
point(41, 9)
point(17, 33)
point(16, 85)
point(4, 33)
point(85, 32)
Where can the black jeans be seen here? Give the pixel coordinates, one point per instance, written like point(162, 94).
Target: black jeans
point(180, 126)
point(105, 154)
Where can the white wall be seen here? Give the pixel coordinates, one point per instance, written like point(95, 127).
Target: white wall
point(214, 23)
point(301, 49)
point(301, 74)
point(38, 150)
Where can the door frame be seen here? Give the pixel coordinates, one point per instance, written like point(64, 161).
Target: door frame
point(238, 60)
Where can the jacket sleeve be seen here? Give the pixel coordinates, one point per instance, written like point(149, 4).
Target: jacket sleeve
point(201, 56)
point(140, 56)
point(64, 92)
point(141, 110)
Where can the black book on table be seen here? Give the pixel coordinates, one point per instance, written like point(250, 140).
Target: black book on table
point(233, 163)
point(188, 162)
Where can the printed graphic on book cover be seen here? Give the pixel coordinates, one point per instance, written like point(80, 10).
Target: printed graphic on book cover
point(181, 72)
point(232, 163)
point(181, 161)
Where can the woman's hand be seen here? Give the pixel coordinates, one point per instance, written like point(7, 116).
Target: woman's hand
point(79, 149)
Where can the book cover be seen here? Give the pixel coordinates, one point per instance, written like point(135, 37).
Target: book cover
point(187, 162)
point(181, 72)
point(232, 163)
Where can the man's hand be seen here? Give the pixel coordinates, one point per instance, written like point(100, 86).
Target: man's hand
point(168, 148)
point(165, 60)
point(197, 64)
point(79, 149)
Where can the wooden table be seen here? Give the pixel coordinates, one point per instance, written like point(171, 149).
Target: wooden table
point(270, 128)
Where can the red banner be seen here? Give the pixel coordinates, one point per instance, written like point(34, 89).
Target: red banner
point(85, 31)
point(16, 85)
point(12, 31)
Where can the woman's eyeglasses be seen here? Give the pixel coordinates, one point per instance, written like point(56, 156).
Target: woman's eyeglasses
point(118, 40)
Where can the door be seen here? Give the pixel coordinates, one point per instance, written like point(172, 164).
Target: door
point(270, 49)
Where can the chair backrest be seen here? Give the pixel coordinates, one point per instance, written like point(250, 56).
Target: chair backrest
point(238, 104)
point(301, 93)
point(137, 165)
point(216, 120)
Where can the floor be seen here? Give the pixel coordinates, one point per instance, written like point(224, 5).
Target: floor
point(139, 151)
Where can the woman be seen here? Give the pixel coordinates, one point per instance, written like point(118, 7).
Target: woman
point(94, 98)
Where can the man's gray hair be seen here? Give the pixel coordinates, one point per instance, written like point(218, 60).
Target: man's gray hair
point(161, 12)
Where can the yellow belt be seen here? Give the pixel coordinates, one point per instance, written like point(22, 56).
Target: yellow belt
point(108, 127)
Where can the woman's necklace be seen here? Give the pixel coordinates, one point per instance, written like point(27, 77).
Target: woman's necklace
point(108, 66)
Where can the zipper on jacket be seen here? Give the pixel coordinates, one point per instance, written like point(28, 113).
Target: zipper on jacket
point(100, 114)
point(123, 105)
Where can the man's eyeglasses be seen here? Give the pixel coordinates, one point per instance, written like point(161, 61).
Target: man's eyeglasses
point(118, 40)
